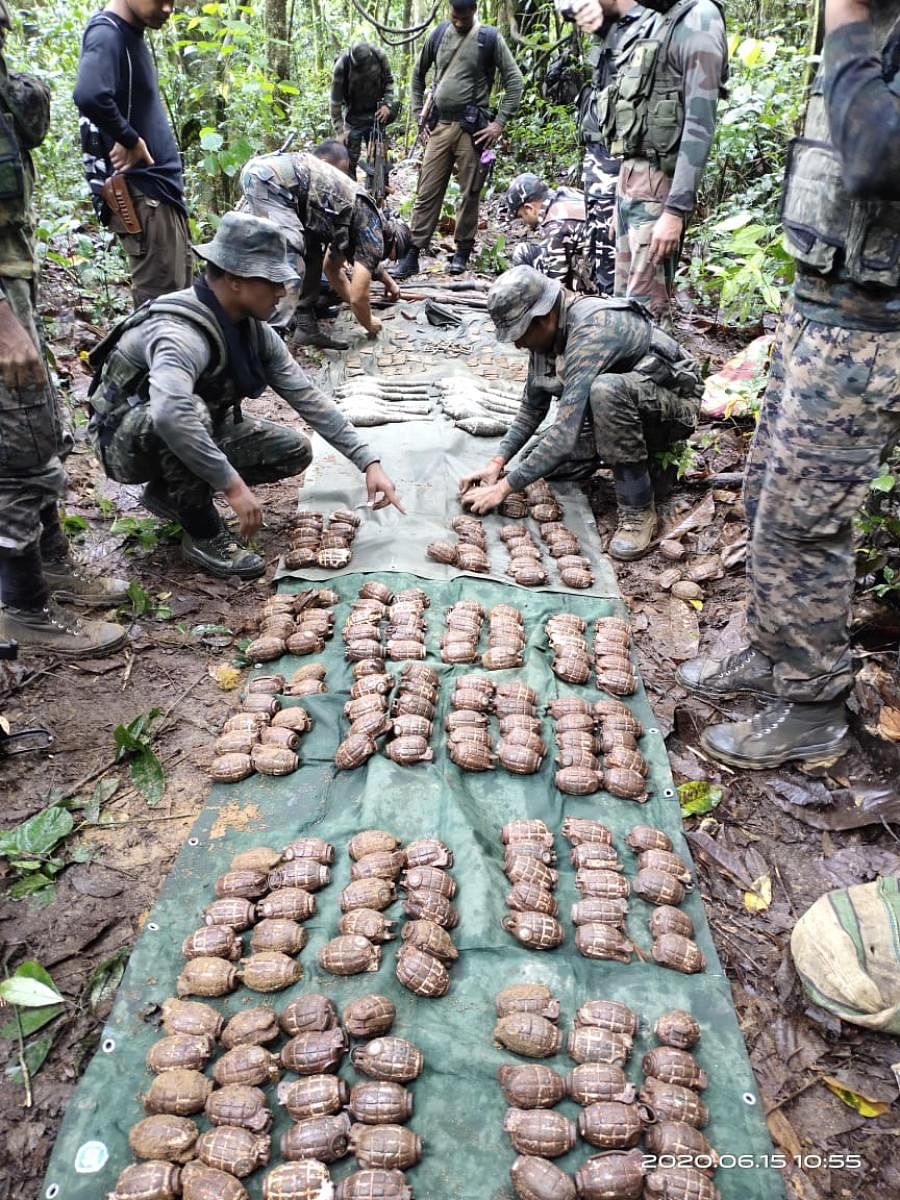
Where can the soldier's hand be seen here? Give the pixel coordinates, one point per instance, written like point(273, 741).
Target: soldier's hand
point(374, 328)
point(20, 363)
point(123, 159)
point(246, 508)
point(382, 113)
point(589, 15)
point(485, 499)
point(488, 475)
point(380, 489)
point(486, 137)
point(666, 237)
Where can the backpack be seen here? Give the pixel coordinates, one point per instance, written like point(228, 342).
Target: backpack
point(487, 48)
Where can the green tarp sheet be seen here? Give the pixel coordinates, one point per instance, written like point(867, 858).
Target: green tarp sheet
point(458, 1104)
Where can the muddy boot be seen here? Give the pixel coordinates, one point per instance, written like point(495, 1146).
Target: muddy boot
point(52, 629)
point(783, 732)
point(307, 332)
point(69, 583)
point(746, 673)
point(407, 265)
point(223, 554)
point(635, 531)
point(460, 260)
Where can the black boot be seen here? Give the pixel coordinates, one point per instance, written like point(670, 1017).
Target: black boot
point(307, 332)
point(783, 732)
point(407, 265)
point(636, 525)
point(746, 673)
point(460, 260)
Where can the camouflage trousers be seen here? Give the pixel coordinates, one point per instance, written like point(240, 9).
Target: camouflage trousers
point(831, 411)
point(260, 451)
point(642, 192)
point(599, 206)
point(31, 439)
point(262, 197)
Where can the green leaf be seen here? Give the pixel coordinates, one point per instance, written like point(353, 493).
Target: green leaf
point(35, 1055)
point(38, 835)
point(28, 993)
point(288, 89)
point(149, 777)
point(211, 140)
point(140, 601)
point(884, 483)
point(106, 978)
point(32, 1020)
point(698, 797)
point(74, 525)
point(102, 793)
point(31, 885)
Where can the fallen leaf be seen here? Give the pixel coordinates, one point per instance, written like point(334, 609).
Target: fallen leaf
point(889, 723)
point(698, 797)
point(783, 1133)
point(759, 896)
point(864, 1105)
point(702, 514)
point(226, 676)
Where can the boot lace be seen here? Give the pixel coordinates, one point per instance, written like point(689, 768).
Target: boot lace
point(770, 719)
point(631, 520)
point(735, 663)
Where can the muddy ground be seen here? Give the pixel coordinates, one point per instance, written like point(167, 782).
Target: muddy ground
point(784, 825)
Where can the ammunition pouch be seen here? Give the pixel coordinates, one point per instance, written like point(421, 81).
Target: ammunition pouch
point(667, 364)
point(12, 167)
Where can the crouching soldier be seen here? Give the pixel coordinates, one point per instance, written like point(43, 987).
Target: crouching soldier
point(167, 401)
point(564, 250)
point(625, 389)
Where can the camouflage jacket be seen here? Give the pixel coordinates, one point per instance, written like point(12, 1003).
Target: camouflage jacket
point(613, 43)
point(595, 337)
point(565, 245)
point(357, 91)
point(168, 359)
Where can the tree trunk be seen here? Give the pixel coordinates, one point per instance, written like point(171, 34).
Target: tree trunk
point(277, 48)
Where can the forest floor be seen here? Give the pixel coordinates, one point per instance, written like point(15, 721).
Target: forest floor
point(789, 826)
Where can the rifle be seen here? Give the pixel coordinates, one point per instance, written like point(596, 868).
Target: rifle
point(288, 141)
point(424, 121)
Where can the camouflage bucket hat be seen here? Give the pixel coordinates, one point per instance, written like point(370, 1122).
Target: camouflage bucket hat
point(522, 189)
point(252, 247)
point(517, 298)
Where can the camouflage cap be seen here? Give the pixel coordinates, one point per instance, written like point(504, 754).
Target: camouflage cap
point(518, 297)
point(522, 189)
point(252, 247)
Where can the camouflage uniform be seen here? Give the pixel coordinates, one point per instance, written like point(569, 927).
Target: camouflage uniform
point(564, 249)
point(659, 116)
point(625, 390)
point(360, 84)
point(32, 478)
point(831, 409)
point(599, 170)
point(317, 208)
point(167, 409)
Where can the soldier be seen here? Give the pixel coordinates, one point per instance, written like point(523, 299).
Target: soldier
point(124, 129)
point(658, 115)
point(563, 251)
point(318, 208)
point(166, 406)
point(830, 413)
point(457, 126)
point(625, 391)
point(35, 560)
point(613, 42)
point(362, 95)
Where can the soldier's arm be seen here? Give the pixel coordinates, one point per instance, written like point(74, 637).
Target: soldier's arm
point(699, 51)
point(95, 87)
point(336, 102)
point(513, 84)
point(863, 113)
point(420, 70)
point(389, 96)
point(286, 378)
point(556, 252)
point(178, 355)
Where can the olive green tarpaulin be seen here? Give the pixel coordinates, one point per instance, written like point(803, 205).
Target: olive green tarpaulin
point(458, 1104)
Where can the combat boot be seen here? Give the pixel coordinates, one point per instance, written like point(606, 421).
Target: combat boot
point(53, 630)
point(635, 531)
point(69, 583)
point(460, 260)
point(308, 332)
point(156, 500)
point(746, 673)
point(224, 555)
point(783, 732)
point(407, 265)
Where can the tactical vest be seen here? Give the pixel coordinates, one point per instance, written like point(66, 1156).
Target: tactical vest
point(121, 372)
point(824, 227)
point(24, 122)
point(363, 85)
point(641, 113)
point(604, 58)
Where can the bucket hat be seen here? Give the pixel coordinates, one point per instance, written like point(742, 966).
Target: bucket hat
point(517, 298)
point(252, 247)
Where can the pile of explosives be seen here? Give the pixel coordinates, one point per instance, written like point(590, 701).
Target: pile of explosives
point(409, 721)
point(563, 546)
point(406, 624)
point(479, 408)
point(599, 916)
point(469, 553)
point(571, 660)
point(428, 951)
point(583, 732)
point(468, 736)
point(527, 862)
point(315, 544)
point(520, 748)
point(262, 736)
point(462, 629)
point(662, 879)
point(413, 713)
point(543, 506)
point(506, 639)
point(611, 1118)
point(525, 565)
point(362, 628)
point(293, 624)
point(612, 641)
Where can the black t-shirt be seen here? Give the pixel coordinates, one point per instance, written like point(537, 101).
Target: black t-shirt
point(118, 91)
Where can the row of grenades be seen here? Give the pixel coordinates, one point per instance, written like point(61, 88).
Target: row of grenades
point(562, 543)
point(313, 543)
point(322, 1134)
point(669, 1116)
point(525, 560)
point(299, 624)
point(583, 732)
point(273, 892)
point(469, 553)
point(262, 736)
point(410, 719)
point(506, 639)
point(462, 630)
point(613, 668)
point(528, 863)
